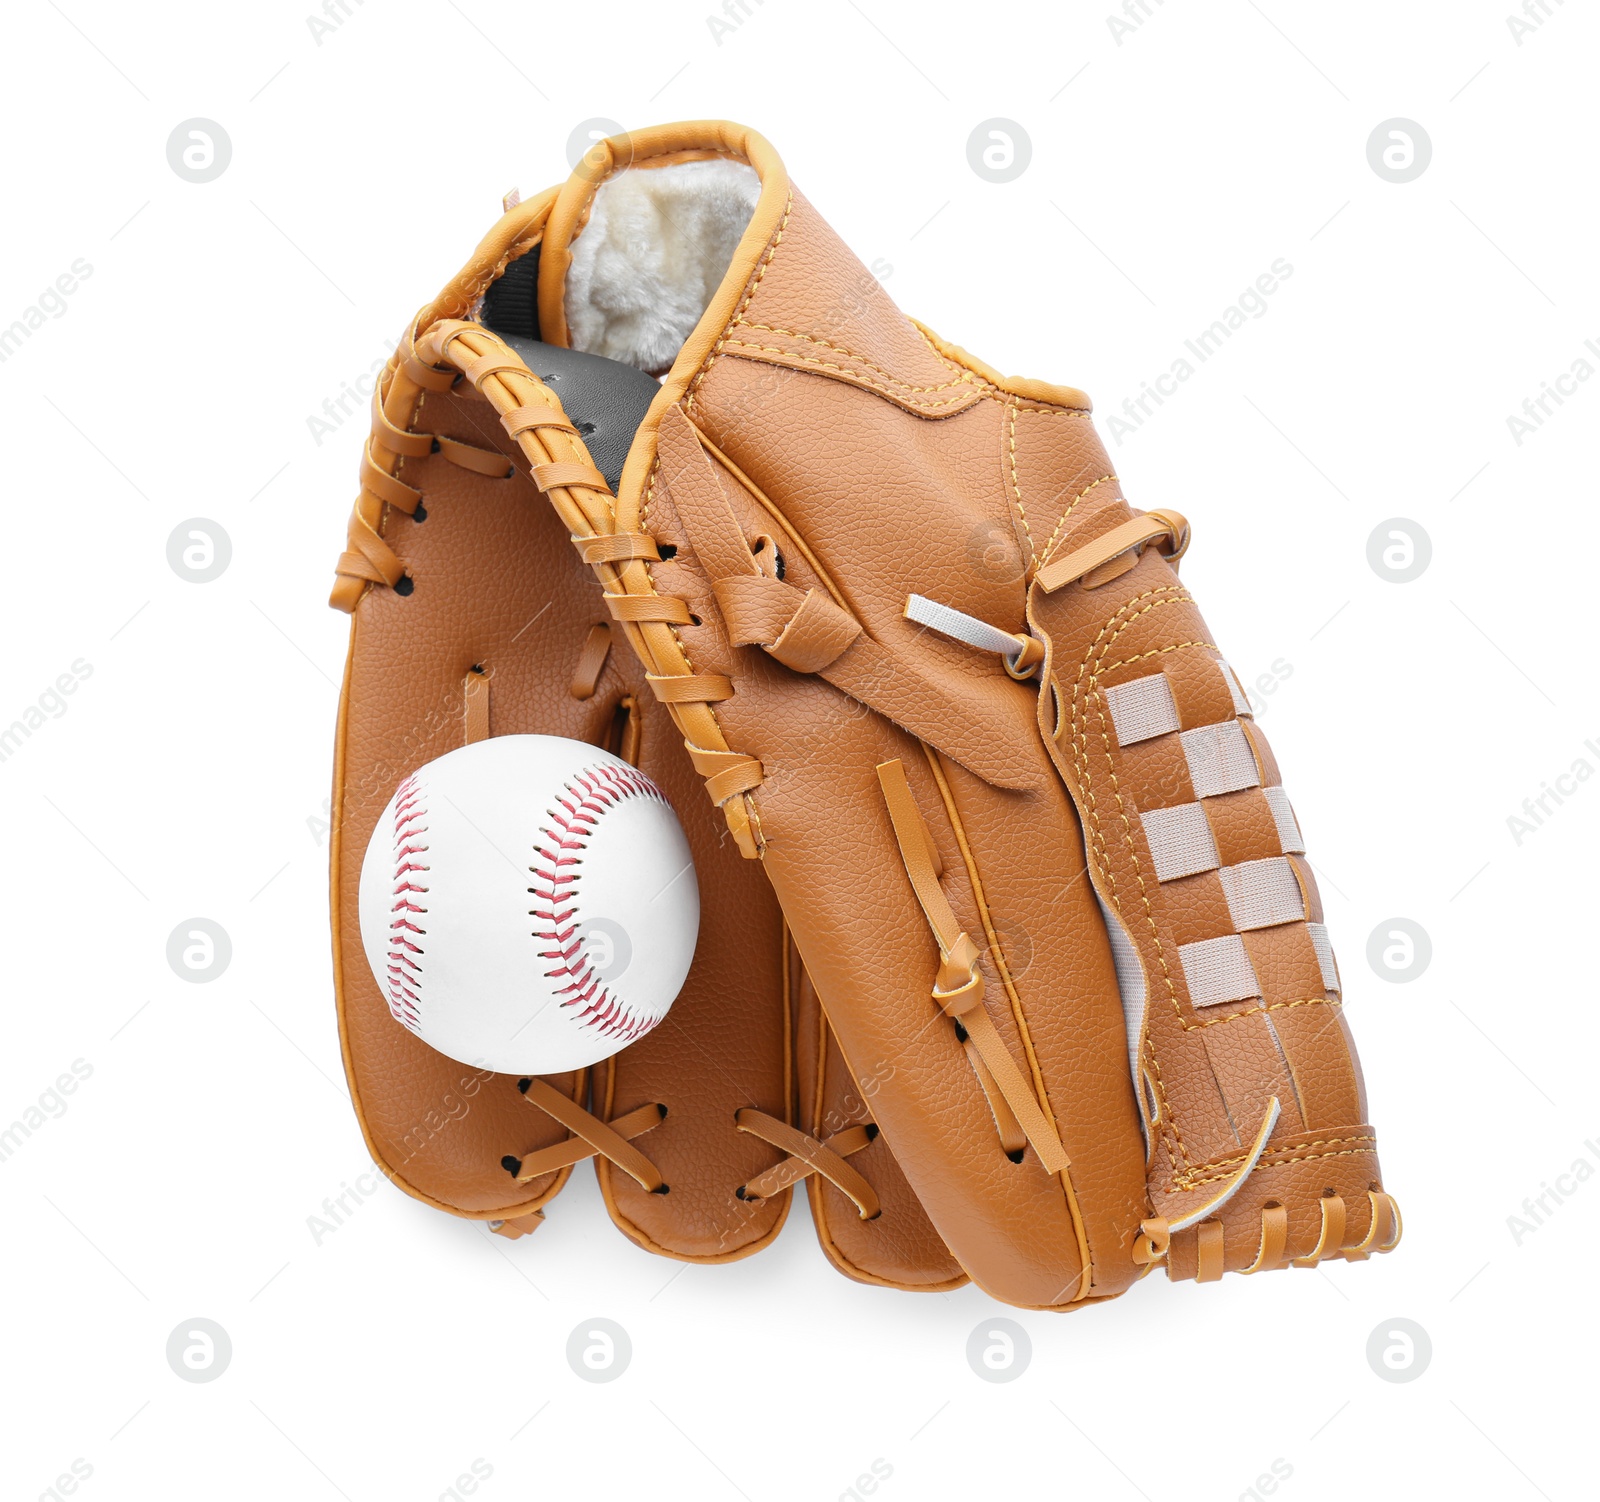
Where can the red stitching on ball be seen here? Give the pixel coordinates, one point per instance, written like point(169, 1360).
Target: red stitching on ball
point(405, 974)
point(587, 796)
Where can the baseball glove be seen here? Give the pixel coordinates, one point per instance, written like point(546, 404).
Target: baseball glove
point(945, 685)
point(495, 627)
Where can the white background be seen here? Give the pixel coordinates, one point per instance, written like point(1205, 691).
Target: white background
point(186, 774)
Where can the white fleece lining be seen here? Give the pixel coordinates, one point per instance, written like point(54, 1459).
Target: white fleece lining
point(653, 253)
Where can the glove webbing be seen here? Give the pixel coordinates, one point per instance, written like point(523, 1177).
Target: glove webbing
point(532, 416)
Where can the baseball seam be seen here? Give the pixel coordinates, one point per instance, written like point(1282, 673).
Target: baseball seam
point(404, 968)
point(573, 819)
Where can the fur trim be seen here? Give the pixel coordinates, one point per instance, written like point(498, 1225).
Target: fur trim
point(657, 245)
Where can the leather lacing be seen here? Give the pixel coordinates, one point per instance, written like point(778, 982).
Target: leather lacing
point(1384, 1229)
point(804, 629)
point(562, 470)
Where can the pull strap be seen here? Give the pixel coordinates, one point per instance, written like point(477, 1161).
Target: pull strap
point(959, 986)
point(1135, 534)
point(1020, 652)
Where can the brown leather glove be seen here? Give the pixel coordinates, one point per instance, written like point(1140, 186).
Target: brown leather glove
point(916, 645)
point(497, 628)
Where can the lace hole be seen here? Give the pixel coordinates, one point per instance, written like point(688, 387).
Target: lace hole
point(405, 584)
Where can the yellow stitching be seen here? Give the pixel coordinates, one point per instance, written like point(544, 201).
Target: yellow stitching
point(889, 391)
point(1044, 556)
point(1289, 1148)
point(1080, 747)
point(1016, 487)
point(965, 378)
point(1187, 1181)
point(1177, 646)
point(738, 313)
point(1276, 1006)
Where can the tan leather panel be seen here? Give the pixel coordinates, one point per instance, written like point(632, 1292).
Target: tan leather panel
point(1200, 690)
point(1243, 827)
point(1193, 908)
point(884, 462)
point(899, 1249)
point(497, 585)
point(722, 1046)
point(1325, 1070)
point(1290, 1044)
point(1250, 1067)
point(862, 340)
point(1285, 961)
point(867, 949)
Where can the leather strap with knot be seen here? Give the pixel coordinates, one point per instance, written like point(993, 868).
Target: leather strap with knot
point(809, 632)
point(958, 989)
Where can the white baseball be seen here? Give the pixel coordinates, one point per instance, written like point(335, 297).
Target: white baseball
point(528, 904)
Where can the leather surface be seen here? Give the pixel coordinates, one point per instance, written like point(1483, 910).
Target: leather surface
point(606, 399)
point(496, 584)
point(900, 1248)
point(1211, 1071)
point(816, 421)
point(874, 489)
